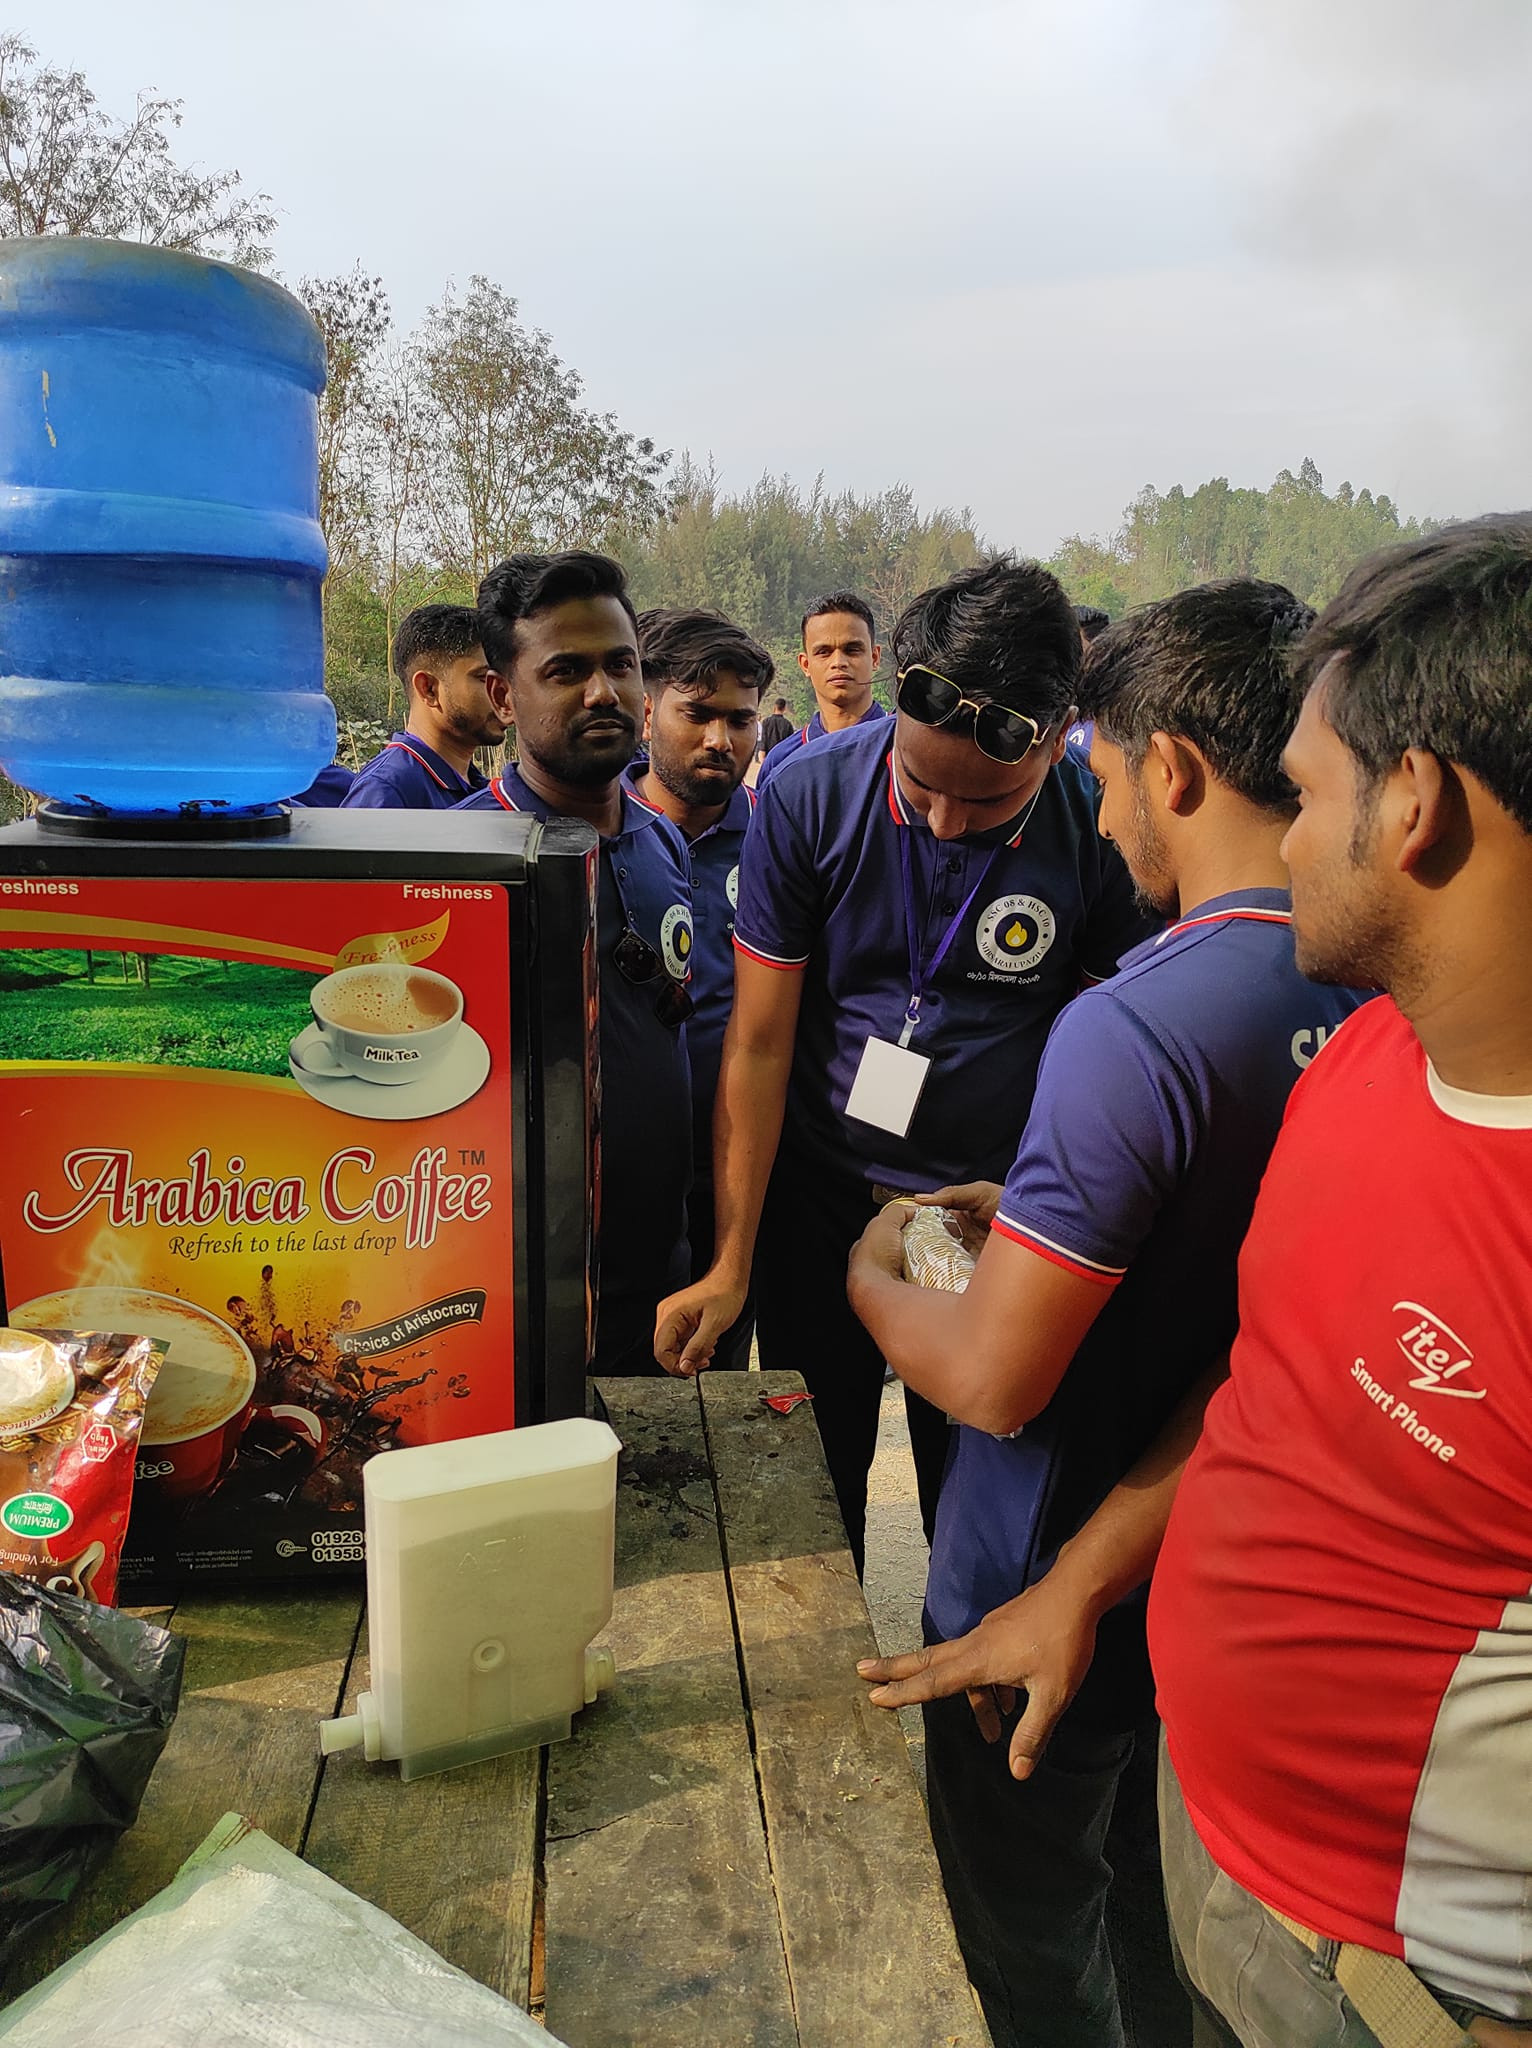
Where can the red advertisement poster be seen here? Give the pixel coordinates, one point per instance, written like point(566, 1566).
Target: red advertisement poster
point(269, 1123)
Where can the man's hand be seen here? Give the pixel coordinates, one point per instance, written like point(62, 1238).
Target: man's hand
point(973, 1206)
point(1040, 1643)
point(880, 1248)
point(688, 1325)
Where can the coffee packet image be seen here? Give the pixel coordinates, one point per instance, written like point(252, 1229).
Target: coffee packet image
point(71, 1407)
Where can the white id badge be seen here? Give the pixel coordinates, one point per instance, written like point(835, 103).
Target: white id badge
point(887, 1086)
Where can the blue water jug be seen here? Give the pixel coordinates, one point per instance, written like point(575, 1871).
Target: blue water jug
point(161, 635)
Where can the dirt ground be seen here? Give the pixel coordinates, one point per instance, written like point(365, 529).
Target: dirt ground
point(896, 1552)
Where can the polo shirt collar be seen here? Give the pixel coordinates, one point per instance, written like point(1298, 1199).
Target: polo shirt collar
point(1008, 834)
point(512, 793)
point(736, 816)
point(1248, 906)
point(441, 771)
point(816, 728)
point(737, 812)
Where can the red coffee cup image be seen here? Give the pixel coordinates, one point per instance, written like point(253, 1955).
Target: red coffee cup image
point(204, 1395)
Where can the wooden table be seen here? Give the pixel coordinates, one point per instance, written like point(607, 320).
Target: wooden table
point(731, 1849)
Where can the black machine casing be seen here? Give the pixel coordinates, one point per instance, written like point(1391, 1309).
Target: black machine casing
point(547, 872)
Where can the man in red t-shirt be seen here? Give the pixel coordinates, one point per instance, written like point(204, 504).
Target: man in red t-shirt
point(1341, 1618)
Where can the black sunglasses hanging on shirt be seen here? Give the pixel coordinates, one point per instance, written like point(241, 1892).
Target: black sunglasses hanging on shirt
point(932, 699)
point(637, 961)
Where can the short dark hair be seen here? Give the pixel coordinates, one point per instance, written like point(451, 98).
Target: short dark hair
point(780, 705)
point(839, 601)
point(1432, 645)
point(1004, 631)
point(523, 585)
point(693, 648)
point(1212, 665)
point(445, 631)
point(1092, 619)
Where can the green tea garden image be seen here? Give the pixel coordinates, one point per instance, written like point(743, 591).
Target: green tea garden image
point(160, 1009)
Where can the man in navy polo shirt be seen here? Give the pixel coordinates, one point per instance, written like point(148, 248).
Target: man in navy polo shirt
point(429, 766)
point(919, 899)
point(703, 679)
point(562, 641)
point(1103, 1294)
point(840, 657)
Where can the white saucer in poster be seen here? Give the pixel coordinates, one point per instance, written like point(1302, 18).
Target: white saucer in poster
point(462, 1073)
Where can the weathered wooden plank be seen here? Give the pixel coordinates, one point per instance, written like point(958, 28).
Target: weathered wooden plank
point(869, 1939)
point(452, 1857)
point(662, 1924)
point(262, 1669)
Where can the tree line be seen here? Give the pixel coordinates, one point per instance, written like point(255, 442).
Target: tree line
point(468, 438)
point(1294, 533)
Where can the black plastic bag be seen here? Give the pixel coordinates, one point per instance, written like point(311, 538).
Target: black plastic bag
point(87, 1698)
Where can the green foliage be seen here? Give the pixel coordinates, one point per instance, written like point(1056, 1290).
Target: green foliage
point(14, 803)
point(67, 167)
point(359, 621)
point(353, 316)
point(513, 459)
point(158, 1009)
point(763, 557)
point(1294, 534)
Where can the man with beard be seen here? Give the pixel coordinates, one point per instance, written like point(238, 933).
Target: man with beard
point(703, 680)
point(1340, 1621)
point(1104, 1292)
point(561, 638)
point(429, 766)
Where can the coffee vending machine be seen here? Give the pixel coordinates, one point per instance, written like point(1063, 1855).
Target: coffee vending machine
point(310, 1097)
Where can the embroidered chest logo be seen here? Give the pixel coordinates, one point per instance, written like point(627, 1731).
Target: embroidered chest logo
point(1015, 932)
point(676, 940)
point(1434, 1352)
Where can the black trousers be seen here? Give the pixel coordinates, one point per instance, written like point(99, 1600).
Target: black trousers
point(1054, 1884)
point(804, 1324)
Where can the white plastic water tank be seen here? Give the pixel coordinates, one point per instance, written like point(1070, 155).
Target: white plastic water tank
point(489, 1571)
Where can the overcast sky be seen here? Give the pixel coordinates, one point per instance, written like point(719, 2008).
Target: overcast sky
point(1022, 255)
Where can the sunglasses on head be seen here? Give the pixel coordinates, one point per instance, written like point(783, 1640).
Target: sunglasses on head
point(932, 699)
point(636, 961)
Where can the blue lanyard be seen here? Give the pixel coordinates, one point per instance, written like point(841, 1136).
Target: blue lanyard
point(922, 971)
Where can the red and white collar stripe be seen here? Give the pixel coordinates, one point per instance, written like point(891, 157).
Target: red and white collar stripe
point(1249, 913)
point(900, 813)
point(405, 748)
